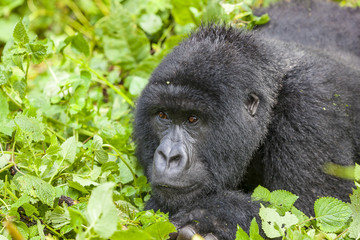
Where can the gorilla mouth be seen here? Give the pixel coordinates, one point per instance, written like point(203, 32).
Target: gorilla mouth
point(175, 187)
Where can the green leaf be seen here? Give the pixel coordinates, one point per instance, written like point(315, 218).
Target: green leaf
point(78, 99)
point(68, 149)
point(64, 44)
point(78, 187)
point(31, 127)
point(128, 191)
point(23, 229)
point(4, 75)
point(150, 23)
point(331, 214)
point(354, 229)
point(262, 20)
point(58, 217)
point(54, 146)
point(300, 215)
point(30, 209)
point(98, 142)
point(40, 228)
point(241, 234)
point(125, 174)
point(4, 160)
point(109, 166)
point(37, 188)
point(79, 44)
point(260, 194)
point(84, 181)
point(254, 231)
point(101, 210)
point(282, 200)
point(185, 12)
point(20, 35)
point(357, 172)
point(137, 84)
point(38, 51)
point(17, 59)
point(161, 230)
point(100, 155)
point(4, 107)
point(132, 234)
point(85, 76)
point(123, 42)
point(6, 126)
point(275, 225)
point(76, 219)
point(23, 199)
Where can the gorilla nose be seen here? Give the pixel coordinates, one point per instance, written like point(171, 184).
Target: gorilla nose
point(170, 159)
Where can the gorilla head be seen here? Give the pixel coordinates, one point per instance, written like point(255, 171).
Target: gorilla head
point(206, 104)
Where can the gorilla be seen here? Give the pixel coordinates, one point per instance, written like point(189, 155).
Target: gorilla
point(230, 109)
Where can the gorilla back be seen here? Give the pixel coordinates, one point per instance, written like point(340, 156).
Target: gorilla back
point(228, 110)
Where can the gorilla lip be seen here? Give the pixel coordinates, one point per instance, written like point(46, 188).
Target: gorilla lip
point(183, 188)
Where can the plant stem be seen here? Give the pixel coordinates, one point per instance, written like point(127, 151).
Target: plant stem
point(11, 194)
point(338, 236)
point(57, 171)
point(12, 99)
point(8, 152)
point(103, 8)
point(7, 167)
point(7, 206)
point(58, 135)
point(81, 131)
point(122, 159)
point(27, 67)
point(79, 15)
point(117, 90)
point(77, 26)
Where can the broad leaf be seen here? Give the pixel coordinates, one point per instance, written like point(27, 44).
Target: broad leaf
point(275, 225)
point(20, 35)
point(260, 194)
point(37, 188)
point(68, 149)
point(331, 214)
point(101, 210)
point(354, 230)
point(31, 127)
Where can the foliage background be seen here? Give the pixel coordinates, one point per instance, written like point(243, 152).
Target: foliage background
point(70, 73)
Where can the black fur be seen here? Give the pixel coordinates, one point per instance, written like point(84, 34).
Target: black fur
point(308, 85)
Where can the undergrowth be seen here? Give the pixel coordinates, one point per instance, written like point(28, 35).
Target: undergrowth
point(70, 73)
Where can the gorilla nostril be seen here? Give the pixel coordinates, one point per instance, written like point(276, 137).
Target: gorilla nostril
point(162, 155)
point(176, 158)
point(175, 161)
point(160, 161)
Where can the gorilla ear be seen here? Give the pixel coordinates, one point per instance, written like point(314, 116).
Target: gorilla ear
point(252, 103)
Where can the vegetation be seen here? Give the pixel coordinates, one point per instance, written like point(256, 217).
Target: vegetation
point(70, 73)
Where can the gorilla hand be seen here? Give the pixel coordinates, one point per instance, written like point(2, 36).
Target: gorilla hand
point(190, 231)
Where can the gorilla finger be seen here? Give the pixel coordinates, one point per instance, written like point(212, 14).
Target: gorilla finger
point(186, 233)
point(197, 237)
point(210, 236)
point(173, 235)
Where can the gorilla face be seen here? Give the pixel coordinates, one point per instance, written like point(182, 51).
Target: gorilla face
point(178, 123)
point(177, 167)
point(191, 135)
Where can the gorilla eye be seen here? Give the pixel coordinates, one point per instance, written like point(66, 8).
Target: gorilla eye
point(163, 115)
point(252, 104)
point(193, 119)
